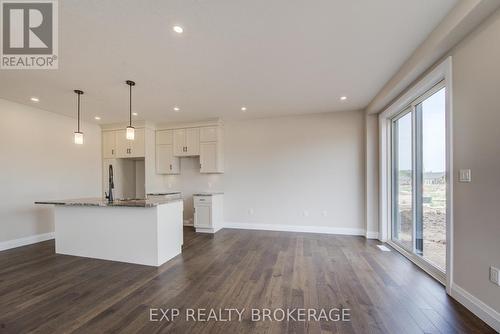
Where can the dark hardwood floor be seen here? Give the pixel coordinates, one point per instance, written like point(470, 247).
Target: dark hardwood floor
point(47, 293)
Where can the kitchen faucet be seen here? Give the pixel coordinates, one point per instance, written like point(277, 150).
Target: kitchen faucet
point(111, 185)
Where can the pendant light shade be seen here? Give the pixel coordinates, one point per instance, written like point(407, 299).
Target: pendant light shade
point(130, 129)
point(78, 138)
point(78, 134)
point(130, 133)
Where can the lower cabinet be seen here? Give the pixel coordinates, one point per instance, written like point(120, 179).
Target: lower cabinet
point(166, 162)
point(208, 212)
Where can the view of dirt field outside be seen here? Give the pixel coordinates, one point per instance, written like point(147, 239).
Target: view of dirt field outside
point(434, 220)
point(433, 192)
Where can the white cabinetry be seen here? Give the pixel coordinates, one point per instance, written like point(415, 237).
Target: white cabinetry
point(116, 145)
point(208, 212)
point(203, 141)
point(211, 153)
point(108, 144)
point(186, 142)
point(166, 162)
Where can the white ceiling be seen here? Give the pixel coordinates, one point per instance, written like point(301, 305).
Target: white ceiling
point(275, 57)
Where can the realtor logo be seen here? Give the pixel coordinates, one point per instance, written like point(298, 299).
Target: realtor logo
point(29, 34)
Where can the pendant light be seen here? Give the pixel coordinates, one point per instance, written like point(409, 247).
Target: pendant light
point(130, 129)
point(78, 134)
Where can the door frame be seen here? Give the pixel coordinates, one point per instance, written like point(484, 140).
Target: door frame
point(441, 72)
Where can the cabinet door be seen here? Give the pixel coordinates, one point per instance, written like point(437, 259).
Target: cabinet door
point(166, 163)
point(108, 144)
point(193, 141)
point(208, 134)
point(164, 137)
point(202, 216)
point(122, 144)
point(137, 146)
point(180, 142)
point(208, 158)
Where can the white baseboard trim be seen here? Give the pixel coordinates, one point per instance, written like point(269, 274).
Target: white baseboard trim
point(296, 228)
point(32, 239)
point(371, 235)
point(476, 306)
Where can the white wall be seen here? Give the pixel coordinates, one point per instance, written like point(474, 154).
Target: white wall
point(277, 168)
point(281, 167)
point(371, 176)
point(476, 123)
point(38, 162)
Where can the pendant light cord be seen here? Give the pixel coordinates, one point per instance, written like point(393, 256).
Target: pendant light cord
point(130, 100)
point(78, 112)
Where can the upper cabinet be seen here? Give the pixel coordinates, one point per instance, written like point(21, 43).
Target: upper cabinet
point(116, 145)
point(211, 152)
point(209, 134)
point(166, 162)
point(109, 144)
point(186, 142)
point(202, 141)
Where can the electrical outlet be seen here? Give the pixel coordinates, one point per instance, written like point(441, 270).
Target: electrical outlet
point(306, 213)
point(251, 212)
point(325, 213)
point(494, 275)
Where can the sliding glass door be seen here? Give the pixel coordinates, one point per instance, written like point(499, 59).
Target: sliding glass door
point(402, 228)
point(419, 178)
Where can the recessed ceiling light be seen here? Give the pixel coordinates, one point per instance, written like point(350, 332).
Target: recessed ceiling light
point(97, 118)
point(243, 108)
point(178, 29)
point(135, 114)
point(35, 99)
point(177, 109)
point(343, 98)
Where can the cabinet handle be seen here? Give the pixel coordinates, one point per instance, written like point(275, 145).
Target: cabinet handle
point(112, 152)
point(170, 166)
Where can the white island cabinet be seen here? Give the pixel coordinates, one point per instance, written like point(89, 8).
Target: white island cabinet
point(147, 232)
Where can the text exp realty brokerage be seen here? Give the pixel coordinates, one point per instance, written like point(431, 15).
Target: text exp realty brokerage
point(254, 314)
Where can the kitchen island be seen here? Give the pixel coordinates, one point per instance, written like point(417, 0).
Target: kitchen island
point(147, 232)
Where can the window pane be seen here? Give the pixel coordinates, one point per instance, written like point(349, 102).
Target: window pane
point(402, 231)
point(434, 179)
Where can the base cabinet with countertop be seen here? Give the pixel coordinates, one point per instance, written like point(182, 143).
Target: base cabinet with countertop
point(147, 232)
point(208, 212)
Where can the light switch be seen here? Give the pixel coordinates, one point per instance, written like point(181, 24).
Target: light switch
point(464, 175)
point(495, 275)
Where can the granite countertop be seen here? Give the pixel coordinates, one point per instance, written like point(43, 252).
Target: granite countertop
point(165, 193)
point(101, 202)
point(209, 193)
